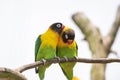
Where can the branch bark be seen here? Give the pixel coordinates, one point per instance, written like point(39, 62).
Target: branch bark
point(10, 74)
point(109, 39)
point(63, 60)
point(94, 38)
point(99, 46)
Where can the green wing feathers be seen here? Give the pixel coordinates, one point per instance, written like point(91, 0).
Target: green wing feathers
point(37, 46)
point(76, 49)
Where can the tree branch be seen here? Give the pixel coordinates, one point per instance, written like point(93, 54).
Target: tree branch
point(9, 74)
point(109, 39)
point(63, 60)
point(92, 35)
point(99, 46)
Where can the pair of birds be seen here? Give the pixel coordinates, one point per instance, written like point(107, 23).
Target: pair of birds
point(57, 41)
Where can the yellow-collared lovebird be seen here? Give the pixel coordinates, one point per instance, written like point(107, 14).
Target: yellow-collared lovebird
point(45, 46)
point(67, 47)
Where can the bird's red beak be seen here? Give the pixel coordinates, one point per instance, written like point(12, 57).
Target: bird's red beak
point(69, 41)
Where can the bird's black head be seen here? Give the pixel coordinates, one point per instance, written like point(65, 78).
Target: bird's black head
point(57, 27)
point(68, 36)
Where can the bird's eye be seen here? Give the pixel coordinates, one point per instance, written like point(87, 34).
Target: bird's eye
point(58, 25)
point(66, 36)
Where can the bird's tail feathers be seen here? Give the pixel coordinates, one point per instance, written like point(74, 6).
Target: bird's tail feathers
point(41, 71)
point(69, 75)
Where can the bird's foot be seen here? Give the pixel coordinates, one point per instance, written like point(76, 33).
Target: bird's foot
point(58, 58)
point(66, 59)
point(75, 57)
point(43, 60)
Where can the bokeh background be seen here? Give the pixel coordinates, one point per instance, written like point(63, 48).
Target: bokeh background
point(21, 21)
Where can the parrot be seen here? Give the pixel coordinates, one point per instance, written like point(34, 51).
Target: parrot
point(45, 46)
point(67, 47)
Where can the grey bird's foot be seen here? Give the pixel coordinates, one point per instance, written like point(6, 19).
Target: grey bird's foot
point(75, 57)
point(43, 60)
point(58, 58)
point(66, 59)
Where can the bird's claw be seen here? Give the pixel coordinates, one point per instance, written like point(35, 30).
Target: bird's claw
point(57, 58)
point(43, 60)
point(75, 57)
point(66, 59)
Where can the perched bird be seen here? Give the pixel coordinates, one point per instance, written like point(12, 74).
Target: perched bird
point(45, 46)
point(67, 47)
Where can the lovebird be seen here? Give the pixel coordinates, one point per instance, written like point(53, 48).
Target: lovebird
point(67, 47)
point(45, 46)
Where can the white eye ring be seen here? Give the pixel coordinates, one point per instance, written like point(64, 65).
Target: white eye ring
point(66, 36)
point(58, 25)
